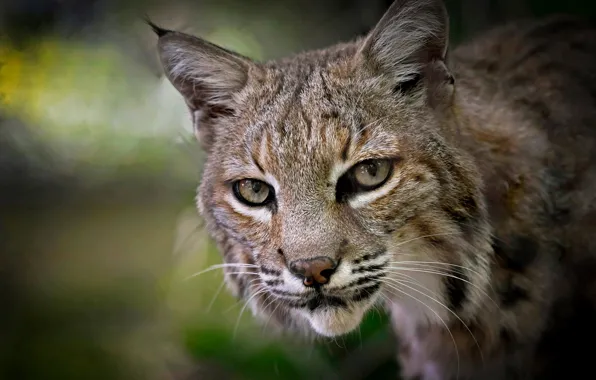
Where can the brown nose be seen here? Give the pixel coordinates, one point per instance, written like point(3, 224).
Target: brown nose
point(316, 271)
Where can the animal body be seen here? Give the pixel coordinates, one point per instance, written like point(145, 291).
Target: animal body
point(454, 188)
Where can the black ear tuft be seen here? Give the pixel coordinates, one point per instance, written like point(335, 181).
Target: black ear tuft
point(158, 30)
point(408, 85)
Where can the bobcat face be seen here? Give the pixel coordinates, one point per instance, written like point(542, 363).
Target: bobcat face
point(317, 191)
point(329, 173)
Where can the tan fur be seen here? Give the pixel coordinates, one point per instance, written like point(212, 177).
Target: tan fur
point(474, 242)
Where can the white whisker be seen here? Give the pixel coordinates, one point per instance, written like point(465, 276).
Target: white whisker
point(396, 270)
point(261, 291)
point(438, 316)
point(247, 273)
point(220, 266)
point(436, 263)
point(272, 313)
point(460, 267)
point(403, 283)
point(217, 293)
point(424, 237)
point(249, 284)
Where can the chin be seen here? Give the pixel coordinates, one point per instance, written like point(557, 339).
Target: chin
point(334, 321)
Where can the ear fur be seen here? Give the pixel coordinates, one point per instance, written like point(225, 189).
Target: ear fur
point(206, 75)
point(409, 43)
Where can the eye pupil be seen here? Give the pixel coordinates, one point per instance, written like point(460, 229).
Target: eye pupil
point(256, 187)
point(372, 169)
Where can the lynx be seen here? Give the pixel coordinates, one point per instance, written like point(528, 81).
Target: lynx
point(456, 189)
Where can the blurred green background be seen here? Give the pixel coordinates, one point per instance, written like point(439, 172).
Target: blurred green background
point(98, 170)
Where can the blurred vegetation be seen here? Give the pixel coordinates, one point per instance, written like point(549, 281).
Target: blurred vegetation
point(98, 170)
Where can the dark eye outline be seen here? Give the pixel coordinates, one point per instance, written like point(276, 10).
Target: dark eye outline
point(240, 198)
point(347, 185)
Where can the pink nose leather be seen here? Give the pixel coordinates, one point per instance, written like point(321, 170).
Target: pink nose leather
point(316, 271)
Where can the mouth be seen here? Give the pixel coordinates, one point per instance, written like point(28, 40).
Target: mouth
point(331, 315)
point(331, 309)
point(321, 301)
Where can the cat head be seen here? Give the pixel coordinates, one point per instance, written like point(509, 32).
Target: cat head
point(332, 176)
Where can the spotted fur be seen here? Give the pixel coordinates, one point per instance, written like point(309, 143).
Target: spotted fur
point(475, 242)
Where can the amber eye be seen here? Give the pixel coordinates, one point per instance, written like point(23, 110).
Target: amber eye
point(371, 174)
point(366, 175)
point(253, 192)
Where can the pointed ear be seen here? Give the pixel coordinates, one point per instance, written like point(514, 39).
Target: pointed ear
point(409, 43)
point(206, 75)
